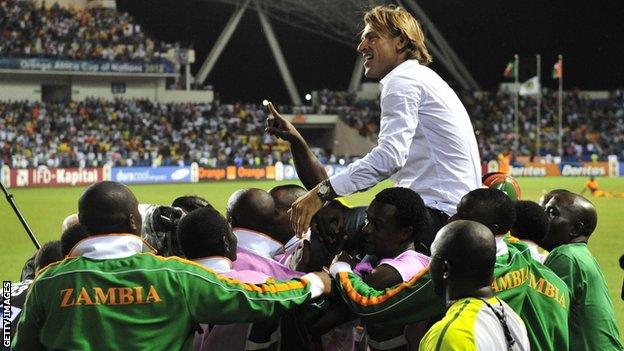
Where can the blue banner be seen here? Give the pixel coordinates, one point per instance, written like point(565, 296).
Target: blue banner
point(89, 66)
point(136, 175)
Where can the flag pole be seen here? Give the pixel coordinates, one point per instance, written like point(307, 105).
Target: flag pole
point(516, 97)
point(560, 106)
point(539, 105)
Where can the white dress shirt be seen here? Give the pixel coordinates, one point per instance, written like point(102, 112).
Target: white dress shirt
point(426, 141)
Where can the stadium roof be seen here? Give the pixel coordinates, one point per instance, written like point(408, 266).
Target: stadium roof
point(337, 20)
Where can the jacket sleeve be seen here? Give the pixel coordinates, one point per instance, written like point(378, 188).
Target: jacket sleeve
point(30, 323)
point(399, 119)
point(405, 303)
point(213, 298)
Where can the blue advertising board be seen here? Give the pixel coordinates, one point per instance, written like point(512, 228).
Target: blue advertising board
point(137, 175)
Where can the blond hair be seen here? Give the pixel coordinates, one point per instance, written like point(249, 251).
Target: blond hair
point(395, 22)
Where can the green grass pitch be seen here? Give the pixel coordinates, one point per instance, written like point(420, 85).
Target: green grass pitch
point(45, 208)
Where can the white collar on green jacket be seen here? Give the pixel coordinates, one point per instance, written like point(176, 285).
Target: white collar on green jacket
point(260, 243)
point(110, 246)
point(218, 264)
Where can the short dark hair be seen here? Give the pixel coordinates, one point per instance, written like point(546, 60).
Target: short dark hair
point(106, 207)
point(471, 248)
point(410, 207)
point(190, 203)
point(251, 209)
point(285, 195)
point(531, 221)
point(201, 233)
point(71, 236)
point(493, 207)
point(50, 252)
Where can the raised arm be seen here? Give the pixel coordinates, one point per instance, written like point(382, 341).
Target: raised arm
point(309, 168)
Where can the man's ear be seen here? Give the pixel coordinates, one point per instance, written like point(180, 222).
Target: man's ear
point(446, 270)
point(406, 234)
point(495, 228)
point(226, 245)
point(134, 225)
point(577, 229)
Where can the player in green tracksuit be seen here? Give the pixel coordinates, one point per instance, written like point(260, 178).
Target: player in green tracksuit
point(592, 320)
point(113, 293)
point(530, 289)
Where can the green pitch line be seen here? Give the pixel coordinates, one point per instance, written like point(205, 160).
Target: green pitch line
point(45, 209)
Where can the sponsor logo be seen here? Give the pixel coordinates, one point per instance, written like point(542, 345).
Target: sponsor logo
point(250, 173)
point(212, 173)
point(44, 176)
point(151, 175)
point(529, 171)
point(180, 174)
point(585, 170)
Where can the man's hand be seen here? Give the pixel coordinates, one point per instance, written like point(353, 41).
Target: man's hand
point(303, 209)
point(344, 256)
point(278, 126)
point(328, 225)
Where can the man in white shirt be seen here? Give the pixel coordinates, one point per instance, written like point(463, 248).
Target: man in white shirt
point(426, 141)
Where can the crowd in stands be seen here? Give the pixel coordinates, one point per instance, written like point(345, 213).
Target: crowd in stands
point(31, 30)
point(144, 133)
point(135, 133)
point(591, 127)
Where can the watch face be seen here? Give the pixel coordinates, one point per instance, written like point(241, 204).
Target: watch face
point(323, 189)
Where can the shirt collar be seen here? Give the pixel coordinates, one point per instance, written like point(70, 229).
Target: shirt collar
point(218, 264)
point(110, 246)
point(501, 246)
point(260, 243)
point(397, 69)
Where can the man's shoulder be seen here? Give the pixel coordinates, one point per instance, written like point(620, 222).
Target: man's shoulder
point(571, 253)
point(450, 333)
point(406, 78)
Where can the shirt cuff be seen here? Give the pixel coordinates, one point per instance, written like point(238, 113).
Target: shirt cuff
point(317, 288)
point(342, 184)
point(338, 267)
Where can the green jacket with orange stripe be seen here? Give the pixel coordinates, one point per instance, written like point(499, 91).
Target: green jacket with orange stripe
point(113, 295)
point(531, 289)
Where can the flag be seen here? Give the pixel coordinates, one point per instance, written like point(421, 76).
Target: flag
point(557, 70)
point(510, 69)
point(530, 87)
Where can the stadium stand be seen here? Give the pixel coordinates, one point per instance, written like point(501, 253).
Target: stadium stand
point(135, 133)
point(29, 30)
point(128, 132)
point(590, 126)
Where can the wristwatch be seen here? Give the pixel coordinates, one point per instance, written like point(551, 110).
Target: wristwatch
point(325, 191)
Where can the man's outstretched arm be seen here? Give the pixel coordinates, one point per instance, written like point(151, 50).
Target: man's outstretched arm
point(405, 303)
point(309, 168)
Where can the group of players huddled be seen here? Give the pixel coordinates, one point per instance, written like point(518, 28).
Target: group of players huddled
point(126, 275)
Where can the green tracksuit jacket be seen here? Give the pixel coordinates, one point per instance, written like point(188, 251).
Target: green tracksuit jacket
point(141, 301)
point(532, 290)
